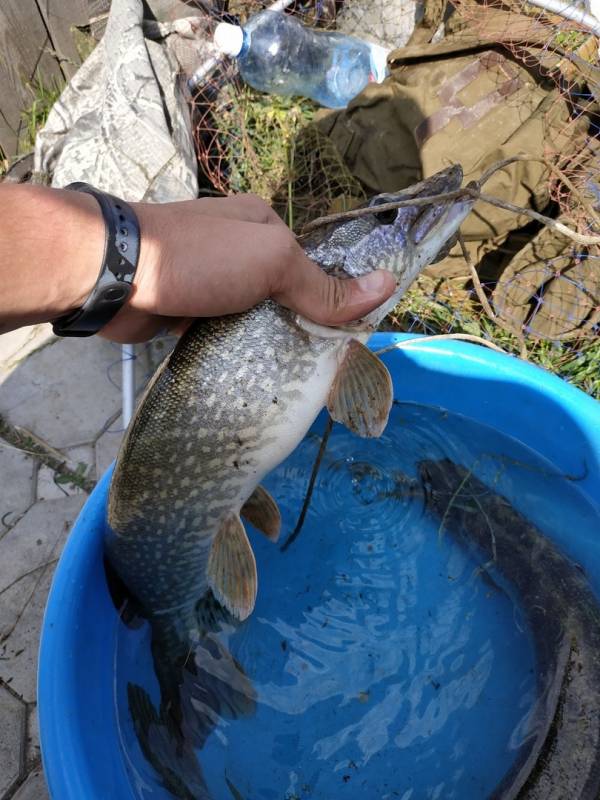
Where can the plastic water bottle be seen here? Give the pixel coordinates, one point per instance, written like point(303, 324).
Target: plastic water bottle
point(277, 54)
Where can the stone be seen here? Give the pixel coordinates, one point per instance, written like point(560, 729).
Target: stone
point(17, 345)
point(66, 394)
point(12, 736)
point(18, 484)
point(28, 555)
point(34, 787)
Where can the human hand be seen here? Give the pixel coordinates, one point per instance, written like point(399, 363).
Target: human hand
point(211, 257)
point(197, 258)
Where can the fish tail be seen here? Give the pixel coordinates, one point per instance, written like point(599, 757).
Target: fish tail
point(166, 751)
point(200, 681)
point(214, 686)
point(200, 684)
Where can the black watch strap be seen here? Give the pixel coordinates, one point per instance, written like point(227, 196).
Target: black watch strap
point(121, 254)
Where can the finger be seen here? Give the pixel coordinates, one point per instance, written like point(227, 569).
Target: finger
point(333, 301)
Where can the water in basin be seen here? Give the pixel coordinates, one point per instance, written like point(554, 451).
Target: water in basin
point(385, 663)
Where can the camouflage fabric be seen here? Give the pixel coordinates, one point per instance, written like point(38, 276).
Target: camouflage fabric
point(122, 123)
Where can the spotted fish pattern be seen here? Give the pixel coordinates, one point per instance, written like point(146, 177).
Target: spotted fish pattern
point(234, 398)
point(228, 395)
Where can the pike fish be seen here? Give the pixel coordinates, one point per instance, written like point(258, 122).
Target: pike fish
point(231, 402)
point(561, 760)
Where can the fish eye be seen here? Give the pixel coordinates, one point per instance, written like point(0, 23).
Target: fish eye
point(387, 217)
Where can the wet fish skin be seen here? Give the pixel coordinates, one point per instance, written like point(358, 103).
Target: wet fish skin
point(236, 396)
point(562, 761)
point(231, 402)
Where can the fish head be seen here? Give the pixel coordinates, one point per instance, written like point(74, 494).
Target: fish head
point(403, 240)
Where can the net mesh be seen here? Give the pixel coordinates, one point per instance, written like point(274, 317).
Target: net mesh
point(543, 300)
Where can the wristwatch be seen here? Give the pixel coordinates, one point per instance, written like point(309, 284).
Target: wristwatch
point(119, 263)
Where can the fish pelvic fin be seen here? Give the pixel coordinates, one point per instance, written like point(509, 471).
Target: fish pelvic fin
point(261, 511)
point(231, 570)
point(361, 394)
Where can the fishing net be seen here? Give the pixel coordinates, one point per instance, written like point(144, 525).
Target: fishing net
point(541, 297)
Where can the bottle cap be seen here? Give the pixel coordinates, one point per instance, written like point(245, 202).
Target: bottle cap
point(229, 39)
point(379, 68)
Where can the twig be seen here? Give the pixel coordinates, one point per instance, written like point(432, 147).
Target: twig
point(579, 238)
point(454, 498)
point(356, 213)
point(311, 485)
point(485, 303)
point(467, 191)
point(27, 574)
point(498, 165)
point(21, 439)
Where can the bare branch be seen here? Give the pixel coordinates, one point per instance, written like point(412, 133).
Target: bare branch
point(467, 191)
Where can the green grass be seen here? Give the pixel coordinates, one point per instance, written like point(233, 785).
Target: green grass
point(570, 40)
point(257, 132)
point(576, 361)
point(43, 97)
point(33, 117)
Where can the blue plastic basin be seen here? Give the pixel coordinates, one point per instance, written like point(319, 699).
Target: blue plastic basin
point(78, 722)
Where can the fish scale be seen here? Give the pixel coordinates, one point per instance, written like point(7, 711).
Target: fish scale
point(231, 402)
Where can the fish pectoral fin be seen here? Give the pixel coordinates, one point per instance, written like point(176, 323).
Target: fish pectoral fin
point(231, 568)
point(261, 511)
point(338, 332)
point(361, 394)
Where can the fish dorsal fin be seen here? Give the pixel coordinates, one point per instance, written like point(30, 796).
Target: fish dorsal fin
point(231, 568)
point(361, 394)
point(261, 511)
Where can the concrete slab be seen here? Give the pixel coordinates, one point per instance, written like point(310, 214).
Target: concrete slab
point(66, 393)
point(17, 345)
point(28, 554)
point(148, 357)
point(33, 752)
point(18, 484)
point(51, 486)
point(34, 788)
point(83, 455)
point(12, 715)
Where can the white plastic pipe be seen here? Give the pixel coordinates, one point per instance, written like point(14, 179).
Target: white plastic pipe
point(570, 11)
point(127, 382)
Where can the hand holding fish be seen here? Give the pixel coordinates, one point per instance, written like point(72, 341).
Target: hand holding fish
point(198, 258)
point(209, 257)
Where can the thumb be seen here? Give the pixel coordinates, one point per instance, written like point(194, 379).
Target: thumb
point(334, 301)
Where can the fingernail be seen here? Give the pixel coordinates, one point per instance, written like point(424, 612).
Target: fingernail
point(374, 283)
